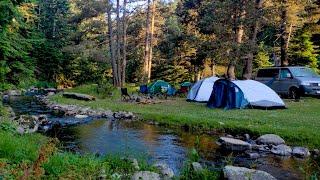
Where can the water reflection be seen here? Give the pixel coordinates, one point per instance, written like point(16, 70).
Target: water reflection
point(137, 139)
point(153, 143)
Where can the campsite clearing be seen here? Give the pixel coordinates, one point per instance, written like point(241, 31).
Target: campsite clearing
point(298, 125)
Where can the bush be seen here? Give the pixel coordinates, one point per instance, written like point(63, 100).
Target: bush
point(45, 84)
point(105, 89)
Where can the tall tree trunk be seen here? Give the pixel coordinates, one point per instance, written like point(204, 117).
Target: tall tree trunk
point(289, 36)
point(119, 44)
point(247, 71)
point(39, 15)
point(111, 47)
point(124, 48)
point(147, 46)
point(151, 39)
point(284, 34)
point(197, 73)
point(213, 70)
point(240, 15)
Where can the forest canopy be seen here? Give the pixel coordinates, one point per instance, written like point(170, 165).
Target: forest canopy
point(72, 42)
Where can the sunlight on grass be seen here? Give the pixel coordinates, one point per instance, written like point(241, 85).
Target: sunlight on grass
point(299, 124)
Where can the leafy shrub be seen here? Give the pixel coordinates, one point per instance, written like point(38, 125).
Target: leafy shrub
point(45, 84)
point(105, 88)
point(63, 82)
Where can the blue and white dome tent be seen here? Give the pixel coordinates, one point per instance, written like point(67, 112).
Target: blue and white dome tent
point(243, 94)
point(201, 90)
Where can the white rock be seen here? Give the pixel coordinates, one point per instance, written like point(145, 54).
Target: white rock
point(196, 166)
point(270, 139)
point(241, 173)
point(247, 137)
point(233, 144)
point(253, 155)
point(164, 169)
point(20, 130)
point(51, 93)
point(282, 150)
point(80, 116)
point(134, 163)
point(145, 175)
point(300, 152)
point(14, 93)
point(5, 98)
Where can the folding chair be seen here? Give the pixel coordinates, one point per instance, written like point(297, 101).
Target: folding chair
point(124, 94)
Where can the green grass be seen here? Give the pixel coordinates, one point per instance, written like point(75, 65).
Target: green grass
point(20, 155)
point(298, 125)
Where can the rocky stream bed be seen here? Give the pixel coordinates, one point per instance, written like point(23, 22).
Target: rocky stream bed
point(84, 130)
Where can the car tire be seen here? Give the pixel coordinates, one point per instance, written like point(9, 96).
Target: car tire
point(294, 93)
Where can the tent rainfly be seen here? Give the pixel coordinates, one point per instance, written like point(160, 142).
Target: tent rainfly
point(243, 94)
point(201, 90)
point(160, 85)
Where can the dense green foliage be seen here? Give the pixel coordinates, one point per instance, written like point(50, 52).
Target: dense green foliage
point(65, 42)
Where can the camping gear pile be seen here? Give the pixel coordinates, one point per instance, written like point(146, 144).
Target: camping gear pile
point(237, 94)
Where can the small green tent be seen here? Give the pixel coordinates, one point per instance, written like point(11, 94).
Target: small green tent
point(186, 84)
point(161, 86)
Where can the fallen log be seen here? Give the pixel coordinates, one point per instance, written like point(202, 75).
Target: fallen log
point(78, 96)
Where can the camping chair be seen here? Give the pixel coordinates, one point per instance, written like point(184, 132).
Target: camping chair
point(124, 94)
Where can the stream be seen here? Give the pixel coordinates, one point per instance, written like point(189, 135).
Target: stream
point(153, 143)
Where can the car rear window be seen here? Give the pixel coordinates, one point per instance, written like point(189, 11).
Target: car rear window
point(268, 72)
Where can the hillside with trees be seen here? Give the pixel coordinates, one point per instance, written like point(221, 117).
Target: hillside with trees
point(73, 42)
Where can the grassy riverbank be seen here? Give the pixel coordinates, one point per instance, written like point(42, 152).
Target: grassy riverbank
point(34, 156)
point(298, 125)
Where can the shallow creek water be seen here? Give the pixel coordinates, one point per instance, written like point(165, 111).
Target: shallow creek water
point(153, 143)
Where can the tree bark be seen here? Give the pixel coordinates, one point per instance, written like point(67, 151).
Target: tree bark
point(151, 40)
point(240, 15)
point(213, 70)
point(124, 48)
point(118, 45)
point(111, 47)
point(247, 71)
point(284, 34)
point(289, 36)
point(147, 46)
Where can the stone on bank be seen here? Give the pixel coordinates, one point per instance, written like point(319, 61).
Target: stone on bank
point(270, 139)
point(233, 144)
point(145, 175)
point(242, 173)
